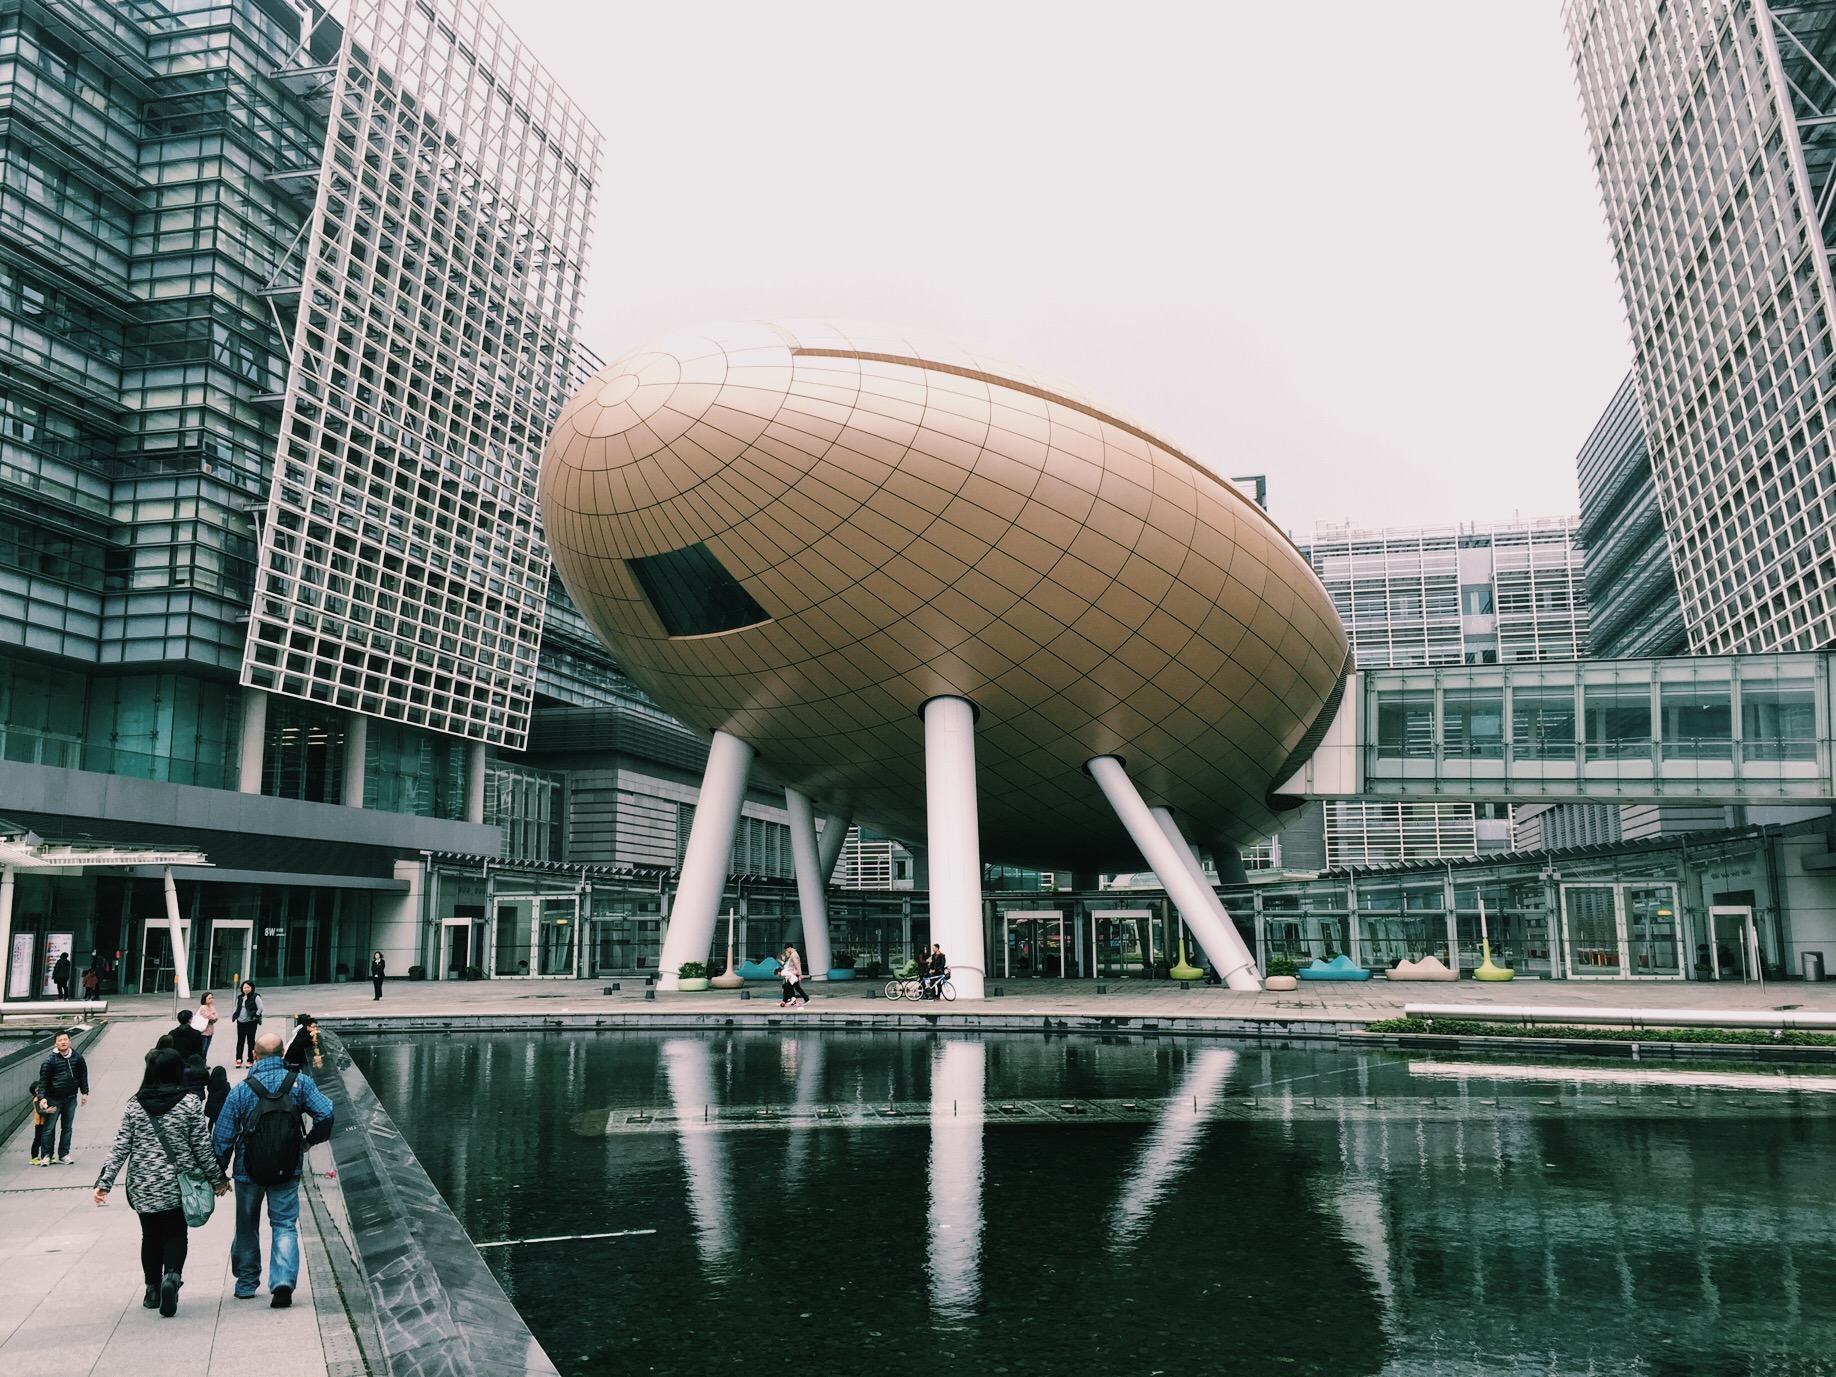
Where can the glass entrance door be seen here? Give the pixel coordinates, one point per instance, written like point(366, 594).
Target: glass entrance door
point(1121, 939)
point(556, 940)
point(1034, 942)
point(232, 949)
point(1590, 918)
point(157, 971)
point(457, 936)
point(1651, 931)
point(1622, 930)
point(1732, 943)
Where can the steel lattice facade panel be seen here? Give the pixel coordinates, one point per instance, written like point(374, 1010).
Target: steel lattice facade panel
point(402, 571)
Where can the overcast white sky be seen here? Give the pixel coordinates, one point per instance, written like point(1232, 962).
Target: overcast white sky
point(1354, 246)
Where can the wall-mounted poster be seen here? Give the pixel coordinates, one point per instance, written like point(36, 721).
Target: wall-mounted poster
point(58, 944)
point(19, 973)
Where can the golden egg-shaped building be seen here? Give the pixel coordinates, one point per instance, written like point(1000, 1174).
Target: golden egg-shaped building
point(799, 534)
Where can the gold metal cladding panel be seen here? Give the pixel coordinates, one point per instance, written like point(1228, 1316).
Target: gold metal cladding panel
point(916, 520)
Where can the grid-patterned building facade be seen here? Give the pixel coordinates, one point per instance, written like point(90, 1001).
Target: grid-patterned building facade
point(1713, 128)
point(1445, 596)
point(402, 574)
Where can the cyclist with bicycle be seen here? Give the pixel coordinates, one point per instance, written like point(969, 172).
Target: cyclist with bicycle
point(936, 970)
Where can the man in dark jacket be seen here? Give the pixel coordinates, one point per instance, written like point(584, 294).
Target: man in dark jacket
point(65, 1078)
point(187, 1041)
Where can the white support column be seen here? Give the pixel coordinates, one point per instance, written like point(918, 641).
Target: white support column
point(254, 740)
point(829, 845)
point(181, 959)
point(474, 781)
point(811, 884)
point(705, 862)
point(356, 750)
point(953, 839)
point(1172, 860)
point(6, 925)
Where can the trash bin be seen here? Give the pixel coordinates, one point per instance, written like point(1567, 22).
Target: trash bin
point(1812, 961)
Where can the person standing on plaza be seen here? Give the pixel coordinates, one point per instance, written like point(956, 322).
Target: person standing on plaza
point(261, 1123)
point(61, 971)
point(64, 1079)
point(247, 1018)
point(215, 1093)
point(205, 1021)
point(44, 1124)
point(187, 1041)
point(377, 969)
point(162, 1133)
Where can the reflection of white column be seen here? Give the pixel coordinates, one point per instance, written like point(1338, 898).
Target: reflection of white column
point(803, 1055)
point(688, 1065)
point(953, 840)
point(811, 884)
point(1173, 862)
point(6, 924)
point(181, 959)
point(474, 781)
point(705, 862)
point(1170, 1146)
point(959, 1070)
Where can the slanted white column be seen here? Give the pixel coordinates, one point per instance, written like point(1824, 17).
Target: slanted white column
point(356, 751)
point(829, 845)
point(705, 862)
point(254, 740)
point(474, 781)
point(6, 924)
point(954, 841)
point(181, 959)
point(1173, 862)
point(811, 884)
point(959, 1074)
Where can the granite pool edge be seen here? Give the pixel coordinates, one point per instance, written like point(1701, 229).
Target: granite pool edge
point(1622, 1049)
point(438, 1310)
point(1322, 1030)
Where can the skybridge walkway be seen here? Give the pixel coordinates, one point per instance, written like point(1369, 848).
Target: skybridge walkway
point(1707, 729)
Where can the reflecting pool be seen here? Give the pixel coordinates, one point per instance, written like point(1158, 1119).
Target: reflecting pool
point(903, 1203)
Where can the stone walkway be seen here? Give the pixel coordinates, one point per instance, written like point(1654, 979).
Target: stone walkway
point(70, 1284)
point(1330, 1001)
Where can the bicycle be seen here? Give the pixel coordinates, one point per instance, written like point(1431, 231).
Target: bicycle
point(942, 989)
point(902, 989)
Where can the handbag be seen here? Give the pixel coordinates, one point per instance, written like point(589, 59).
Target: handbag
point(197, 1196)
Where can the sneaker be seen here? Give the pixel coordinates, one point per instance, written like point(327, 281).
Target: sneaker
point(281, 1299)
point(44, 1161)
point(37, 1160)
point(168, 1294)
point(63, 1161)
point(244, 1295)
point(151, 1299)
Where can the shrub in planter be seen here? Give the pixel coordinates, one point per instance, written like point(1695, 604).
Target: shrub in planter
point(474, 972)
point(692, 975)
point(1280, 965)
point(844, 961)
point(417, 972)
point(342, 974)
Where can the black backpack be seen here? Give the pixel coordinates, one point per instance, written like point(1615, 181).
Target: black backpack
point(271, 1142)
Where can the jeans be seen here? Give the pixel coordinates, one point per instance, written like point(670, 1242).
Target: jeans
point(66, 1120)
point(164, 1241)
point(43, 1135)
point(283, 1230)
point(245, 1036)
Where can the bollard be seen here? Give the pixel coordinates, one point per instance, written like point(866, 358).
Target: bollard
point(650, 992)
point(996, 992)
point(612, 988)
point(1102, 989)
point(870, 993)
point(745, 994)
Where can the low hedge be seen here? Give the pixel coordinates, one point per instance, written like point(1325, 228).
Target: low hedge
point(1468, 1028)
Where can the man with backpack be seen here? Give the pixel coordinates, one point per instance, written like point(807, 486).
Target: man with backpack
point(262, 1123)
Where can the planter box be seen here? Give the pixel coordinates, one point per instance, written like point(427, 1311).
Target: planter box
point(1281, 982)
point(689, 986)
point(842, 973)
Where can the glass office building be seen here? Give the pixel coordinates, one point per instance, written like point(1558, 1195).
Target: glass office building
point(1715, 151)
point(1499, 594)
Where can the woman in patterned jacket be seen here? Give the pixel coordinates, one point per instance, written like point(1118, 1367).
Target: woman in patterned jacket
point(162, 1133)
